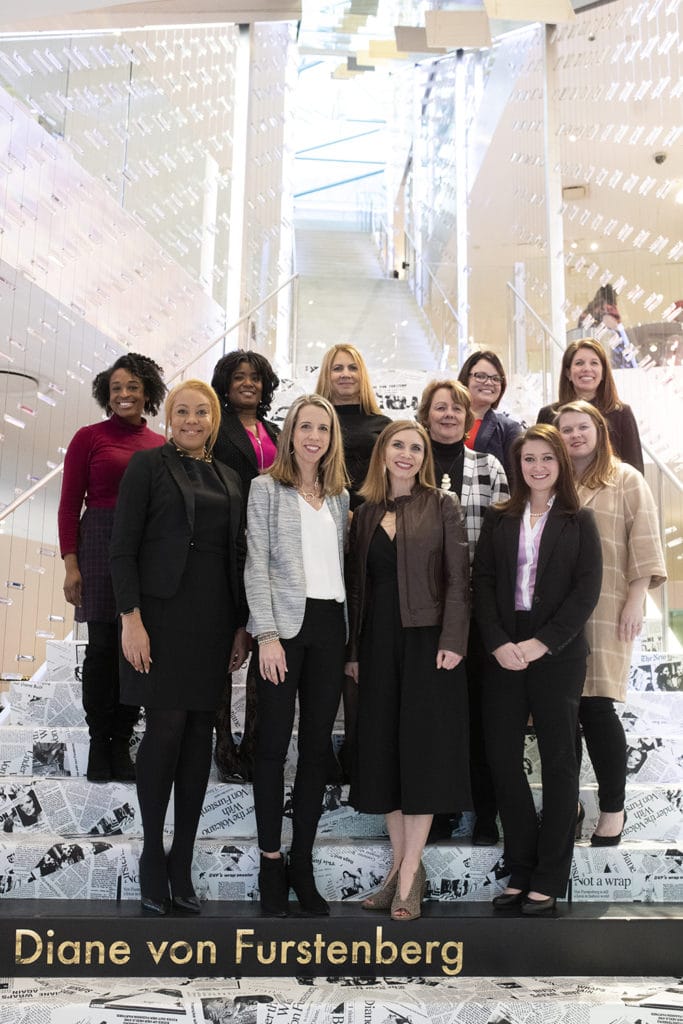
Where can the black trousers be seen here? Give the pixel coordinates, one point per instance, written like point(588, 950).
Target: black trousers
point(315, 670)
point(606, 744)
point(539, 855)
point(481, 779)
point(107, 718)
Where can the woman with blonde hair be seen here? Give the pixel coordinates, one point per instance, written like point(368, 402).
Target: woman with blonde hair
point(344, 381)
point(409, 616)
point(633, 562)
point(586, 375)
point(177, 555)
point(296, 525)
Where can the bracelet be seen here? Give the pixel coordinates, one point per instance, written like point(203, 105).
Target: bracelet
point(268, 638)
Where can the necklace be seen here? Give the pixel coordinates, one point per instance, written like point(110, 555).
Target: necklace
point(310, 496)
point(206, 455)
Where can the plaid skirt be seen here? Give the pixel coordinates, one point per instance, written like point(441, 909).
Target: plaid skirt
point(94, 538)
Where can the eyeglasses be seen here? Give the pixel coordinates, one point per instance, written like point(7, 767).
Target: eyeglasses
point(482, 378)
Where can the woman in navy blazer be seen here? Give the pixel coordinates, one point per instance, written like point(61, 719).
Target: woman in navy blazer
point(177, 558)
point(492, 433)
point(536, 578)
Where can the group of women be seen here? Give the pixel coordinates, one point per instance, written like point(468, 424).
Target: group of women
point(228, 534)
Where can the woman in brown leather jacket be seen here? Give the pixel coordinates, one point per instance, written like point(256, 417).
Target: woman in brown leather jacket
point(408, 595)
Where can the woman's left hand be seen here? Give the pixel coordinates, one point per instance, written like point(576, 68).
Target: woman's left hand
point(631, 619)
point(532, 649)
point(447, 659)
point(241, 645)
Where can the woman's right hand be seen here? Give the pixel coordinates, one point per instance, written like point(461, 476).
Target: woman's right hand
point(272, 662)
point(73, 582)
point(351, 669)
point(135, 642)
point(510, 657)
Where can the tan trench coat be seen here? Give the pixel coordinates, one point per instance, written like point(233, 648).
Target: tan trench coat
point(631, 548)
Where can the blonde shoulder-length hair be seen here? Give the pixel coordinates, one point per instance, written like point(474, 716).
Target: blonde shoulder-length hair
point(207, 392)
point(368, 402)
point(603, 467)
point(375, 488)
point(332, 474)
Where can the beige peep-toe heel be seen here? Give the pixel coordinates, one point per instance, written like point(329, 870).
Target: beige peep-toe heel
point(383, 899)
point(410, 908)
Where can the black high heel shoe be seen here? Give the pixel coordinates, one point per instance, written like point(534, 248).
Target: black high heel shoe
point(273, 886)
point(187, 904)
point(597, 840)
point(150, 905)
point(303, 883)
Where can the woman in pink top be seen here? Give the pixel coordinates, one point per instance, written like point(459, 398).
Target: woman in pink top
point(94, 464)
point(245, 383)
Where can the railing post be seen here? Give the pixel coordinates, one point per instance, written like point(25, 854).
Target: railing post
point(662, 533)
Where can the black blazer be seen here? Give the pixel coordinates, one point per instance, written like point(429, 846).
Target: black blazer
point(568, 580)
point(495, 436)
point(154, 527)
point(234, 449)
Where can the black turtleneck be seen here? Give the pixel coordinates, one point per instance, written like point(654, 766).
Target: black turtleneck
point(360, 430)
point(449, 459)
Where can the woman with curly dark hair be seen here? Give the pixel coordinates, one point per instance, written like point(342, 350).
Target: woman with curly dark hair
point(245, 383)
point(94, 464)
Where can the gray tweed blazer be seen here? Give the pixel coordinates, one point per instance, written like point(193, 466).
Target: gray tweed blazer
point(274, 572)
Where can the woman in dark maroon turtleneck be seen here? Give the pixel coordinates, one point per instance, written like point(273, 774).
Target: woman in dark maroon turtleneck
point(95, 462)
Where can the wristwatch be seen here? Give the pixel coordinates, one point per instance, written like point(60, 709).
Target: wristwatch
point(129, 611)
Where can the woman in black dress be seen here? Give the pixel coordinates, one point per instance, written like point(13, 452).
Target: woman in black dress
point(177, 557)
point(408, 596)
point(345, 382)
point(245, 383)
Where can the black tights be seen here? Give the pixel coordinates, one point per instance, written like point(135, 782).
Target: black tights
point(175, 751)
point(606, 745)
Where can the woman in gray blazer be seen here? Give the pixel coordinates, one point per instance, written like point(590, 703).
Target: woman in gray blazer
point(294, 579)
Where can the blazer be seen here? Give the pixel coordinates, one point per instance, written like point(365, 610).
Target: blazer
point(623, 432)
point(274, 577)
point(568, 580)
point(154, 528)
point(495, 436)
point(234, 449)
point(431, 561)
point(483, 483)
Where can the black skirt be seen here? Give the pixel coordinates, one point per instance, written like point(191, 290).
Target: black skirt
point(413, 722)
point(94, 538)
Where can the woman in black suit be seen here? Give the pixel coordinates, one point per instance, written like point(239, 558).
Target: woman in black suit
point(177, 558)
point(536, 579)
point(245, 383)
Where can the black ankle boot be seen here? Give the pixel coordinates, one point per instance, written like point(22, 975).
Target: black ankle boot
point(273, 886)
point(99, 760)
point(122, 768)
point(303, 883)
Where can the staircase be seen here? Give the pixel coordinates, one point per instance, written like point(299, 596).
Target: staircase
point(68, 877)
point(344, 296)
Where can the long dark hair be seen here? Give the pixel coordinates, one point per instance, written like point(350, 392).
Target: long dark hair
point(566, 497)
point(226, 366)
point(606, 396)
point(142, 367)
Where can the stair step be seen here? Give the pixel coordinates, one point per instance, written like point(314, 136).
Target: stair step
point(105, 867)
point(463, 999)
point(447, 941)
point(74, 807)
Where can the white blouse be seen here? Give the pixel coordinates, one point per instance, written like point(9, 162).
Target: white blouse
point(320, 550)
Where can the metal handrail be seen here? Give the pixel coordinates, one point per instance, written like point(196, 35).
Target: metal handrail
point(433, 278)
point(10, 509)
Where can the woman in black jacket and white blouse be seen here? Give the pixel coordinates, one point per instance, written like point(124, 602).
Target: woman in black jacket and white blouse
point(536, 579)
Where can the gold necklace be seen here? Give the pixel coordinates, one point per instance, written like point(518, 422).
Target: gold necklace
point(313, 495)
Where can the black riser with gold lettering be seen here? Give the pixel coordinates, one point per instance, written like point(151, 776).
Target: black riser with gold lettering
point(100, 939)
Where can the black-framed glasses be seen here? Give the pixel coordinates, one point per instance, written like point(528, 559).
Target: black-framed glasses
point(482, 378)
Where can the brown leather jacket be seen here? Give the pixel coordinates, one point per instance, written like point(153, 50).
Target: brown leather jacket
point(433, 566)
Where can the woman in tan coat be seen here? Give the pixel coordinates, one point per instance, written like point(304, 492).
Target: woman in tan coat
point(633, 563)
